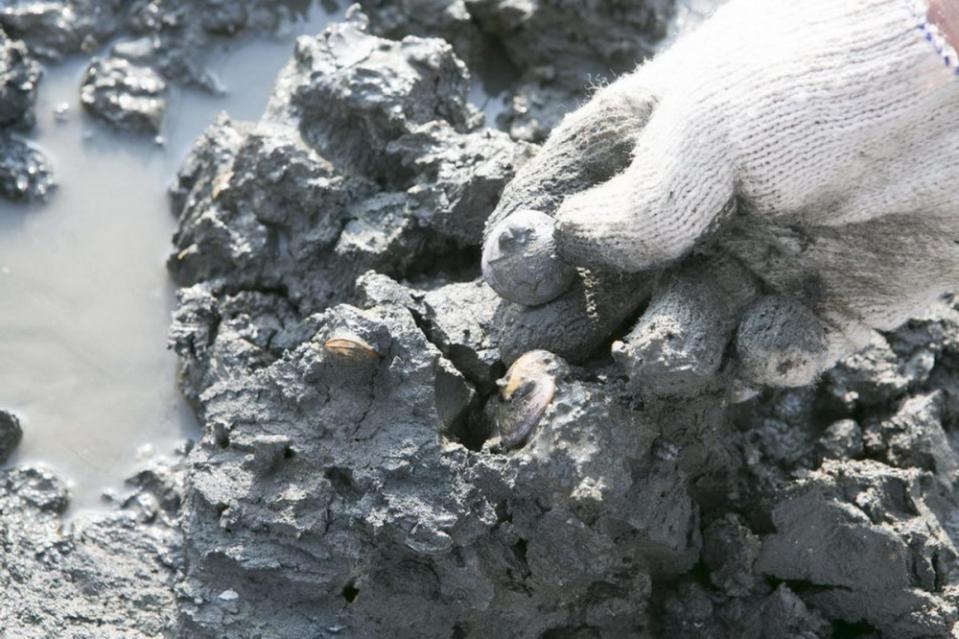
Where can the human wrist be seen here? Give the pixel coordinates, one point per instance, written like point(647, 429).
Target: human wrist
point(938, 20)
point(944, 14)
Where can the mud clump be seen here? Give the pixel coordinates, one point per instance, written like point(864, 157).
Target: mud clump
point(19, 76)
point(370, 158)
point(368, 452)
point(172, 37)
point(383, 434)
point(10, 434)
point(454, 533)
point(548, 53)
point(25, 173)
point(347, 107)
point(144, 46)
point(125, 95)
point(151, 43)
point(108, 574)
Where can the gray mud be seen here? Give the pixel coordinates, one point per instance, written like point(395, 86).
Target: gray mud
point(86, 298)
point(387, 450)
point(111, 575)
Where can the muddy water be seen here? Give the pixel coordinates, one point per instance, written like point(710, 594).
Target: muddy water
point(85, 300)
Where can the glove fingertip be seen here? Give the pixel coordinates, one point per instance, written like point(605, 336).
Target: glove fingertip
point(520, 261)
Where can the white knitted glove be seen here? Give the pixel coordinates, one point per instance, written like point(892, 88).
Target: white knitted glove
point(814, 141)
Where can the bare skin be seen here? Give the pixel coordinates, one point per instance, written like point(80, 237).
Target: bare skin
point(945, 15)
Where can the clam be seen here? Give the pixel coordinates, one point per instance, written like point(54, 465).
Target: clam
point(525, 393)
point(350, 347)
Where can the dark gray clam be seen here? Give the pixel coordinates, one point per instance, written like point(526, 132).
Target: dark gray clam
point(525, 393)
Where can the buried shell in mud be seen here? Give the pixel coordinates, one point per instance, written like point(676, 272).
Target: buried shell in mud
point(525, 393)
point(350, 347)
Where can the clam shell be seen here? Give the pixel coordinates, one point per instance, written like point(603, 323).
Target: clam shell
point(526, 392)
point(350, 347)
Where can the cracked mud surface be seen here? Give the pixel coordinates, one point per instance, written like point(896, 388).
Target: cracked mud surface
point(362, 473)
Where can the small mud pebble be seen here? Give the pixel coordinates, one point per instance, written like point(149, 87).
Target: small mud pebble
point(61, 113)
point(10, 434)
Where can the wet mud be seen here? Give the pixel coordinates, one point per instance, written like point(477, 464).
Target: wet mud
point(388, 448)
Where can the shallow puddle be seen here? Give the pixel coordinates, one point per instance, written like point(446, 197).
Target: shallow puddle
point(85, 299)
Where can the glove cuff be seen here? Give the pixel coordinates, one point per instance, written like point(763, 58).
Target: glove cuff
point(934, 34)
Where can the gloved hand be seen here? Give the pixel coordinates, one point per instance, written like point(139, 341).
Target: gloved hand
point(791, 165)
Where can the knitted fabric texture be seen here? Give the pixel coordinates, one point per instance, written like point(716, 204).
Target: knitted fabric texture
point(817, 112)
point(814, 140)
